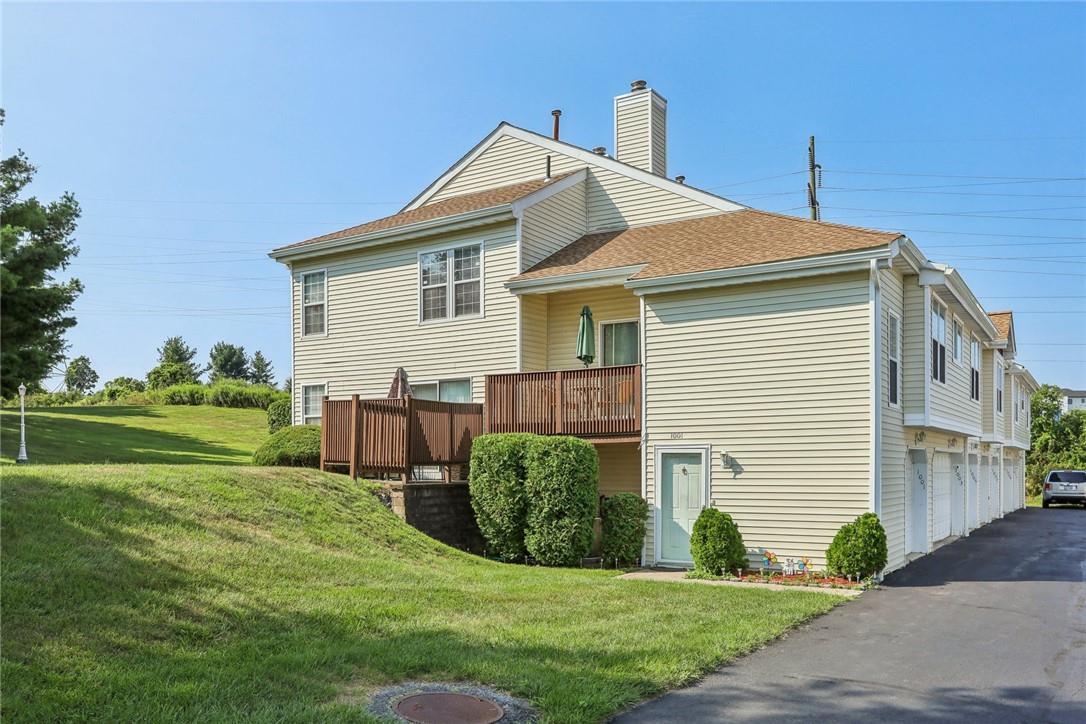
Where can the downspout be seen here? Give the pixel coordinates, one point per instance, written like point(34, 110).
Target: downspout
point(643, 446)
point(875, 304)
point(293, 311)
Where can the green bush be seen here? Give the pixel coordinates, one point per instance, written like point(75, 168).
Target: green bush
point(191, 394)
point(121, 386)
point(297, 447)
point(46, 399)
point(561, 484)
point(242, 394)
point(716, 543)
point(279, 414)
point(859, 548)
point(171, 374)
point(496, 480)
point(623, 517)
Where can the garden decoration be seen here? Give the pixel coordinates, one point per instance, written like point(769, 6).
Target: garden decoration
point(769, 558)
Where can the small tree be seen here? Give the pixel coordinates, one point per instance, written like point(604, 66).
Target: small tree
point(169, 374)
point(287, 385)
point(120, 386)
point(260, 370)
point(80, 377)
point(228, 362)
point(716, 543)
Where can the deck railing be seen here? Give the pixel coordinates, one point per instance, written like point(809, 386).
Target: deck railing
point(594, 402)
point(393, 436)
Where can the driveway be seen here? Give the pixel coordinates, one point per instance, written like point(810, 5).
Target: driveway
point(990, 628)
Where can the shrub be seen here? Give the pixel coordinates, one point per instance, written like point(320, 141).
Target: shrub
point(279, 414)
point(169, 374)
point(191, 394)
point(298, 447)
point(496, 480)
point(46, 399)
point(859, 548)
point(121, 386)
point(623, 517)
point(716, 543)
point(561, 484)
point(242, 394)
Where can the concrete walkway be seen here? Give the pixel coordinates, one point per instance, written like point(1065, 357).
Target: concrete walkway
point(991, 628)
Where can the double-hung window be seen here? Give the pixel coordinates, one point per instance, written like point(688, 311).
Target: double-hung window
point(999, 386)
point(974, 375)
point(621, 343)
point(450, 283)
point(958, 342)
point(938, 342)
point(443, 390)
point(312, 403)
point(314, 306)
point(893, 356)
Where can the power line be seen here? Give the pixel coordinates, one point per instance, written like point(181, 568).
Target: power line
point(1022, 271)
point(944, 175)
point(753, 181)
point(1037, 139)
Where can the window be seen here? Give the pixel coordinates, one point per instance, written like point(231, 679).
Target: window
point(938, 342)
point(893, 355)
point(450, 283)
point(312, 402)
point(999, 387)
point(958, 342)
point(314, 309)
point(1016, 395)
point(621, 343)
point(974, 376)
point(443, 390)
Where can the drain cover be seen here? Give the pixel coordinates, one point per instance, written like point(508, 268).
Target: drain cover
point(448, 708)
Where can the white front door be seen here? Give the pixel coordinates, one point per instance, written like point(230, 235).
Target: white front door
point(941, 487)
point(682, 482)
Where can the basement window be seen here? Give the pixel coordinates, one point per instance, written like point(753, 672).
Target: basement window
point(450, 283)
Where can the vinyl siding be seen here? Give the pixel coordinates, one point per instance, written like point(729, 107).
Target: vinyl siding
point(641, 131)
point(373, 321)
point(564, 317)
point(993, 420)
point(951, 407)
point(551, 224)
point(915, 367)
point(778, 376)
point(613, 200)
point(533, 333)
point(620, 468)
point(893, 436)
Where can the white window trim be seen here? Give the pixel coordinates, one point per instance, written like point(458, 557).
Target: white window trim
point(599, 336)
point(896, 358)
point(998, 403)
point(959, 358)
point(301, 302)
point(301, 405)
point(975, 364)
point(444, 380)
point(450, 284)
point(706, 451)
point(936, 304)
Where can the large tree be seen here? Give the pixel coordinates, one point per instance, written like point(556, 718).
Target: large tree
point(36, 242)
point(80, 376)
point(260, 370)
point(228, 362)
point(176, 365)
point(1057, 439)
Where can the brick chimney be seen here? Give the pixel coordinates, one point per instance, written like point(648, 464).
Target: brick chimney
point(641, 128)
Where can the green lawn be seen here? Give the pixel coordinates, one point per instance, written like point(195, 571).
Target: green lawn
point(212, 593)
point(144, 434)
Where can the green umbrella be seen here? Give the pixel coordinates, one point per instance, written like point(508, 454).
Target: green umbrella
point(586, 337)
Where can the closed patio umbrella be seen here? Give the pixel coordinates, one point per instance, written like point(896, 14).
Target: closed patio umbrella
point(400, 386)
point(586, 337)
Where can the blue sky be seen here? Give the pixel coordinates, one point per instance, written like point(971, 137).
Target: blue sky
point(198, 136)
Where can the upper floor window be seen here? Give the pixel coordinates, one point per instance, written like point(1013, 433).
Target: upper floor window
point(312, 403)
point(974, 375)
point(450, 283)
point(621, 343)
point(314, 307)
point(959, 342)
point(938, 342)
point(443, 390)
point(999, 387)
point(893, 356)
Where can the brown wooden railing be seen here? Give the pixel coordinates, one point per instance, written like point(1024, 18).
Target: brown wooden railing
point(392, 436)
point(594, 402)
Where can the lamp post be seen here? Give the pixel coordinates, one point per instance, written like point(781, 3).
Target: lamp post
point(22, 458)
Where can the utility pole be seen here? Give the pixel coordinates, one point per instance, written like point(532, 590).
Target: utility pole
point(814, 180)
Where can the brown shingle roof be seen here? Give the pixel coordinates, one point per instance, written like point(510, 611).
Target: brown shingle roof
point(1002, 322)
point(723, 241)
point(438, 209)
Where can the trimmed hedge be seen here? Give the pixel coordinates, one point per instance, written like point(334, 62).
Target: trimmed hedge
point(298, 447)
point(859, 548)
point(623, 517)
point(716, 543)
point(496, 483)
point(561, 484)
point(279, 413)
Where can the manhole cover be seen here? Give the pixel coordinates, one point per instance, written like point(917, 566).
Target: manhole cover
point(448, 708)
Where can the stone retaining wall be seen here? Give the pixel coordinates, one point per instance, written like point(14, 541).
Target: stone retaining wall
point(440, 510)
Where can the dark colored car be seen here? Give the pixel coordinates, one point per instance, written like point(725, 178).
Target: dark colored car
point(1065, 486)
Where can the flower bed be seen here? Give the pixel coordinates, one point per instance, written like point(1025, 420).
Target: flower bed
point(814, 579)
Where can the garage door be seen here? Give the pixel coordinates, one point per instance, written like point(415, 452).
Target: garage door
point(993, 489)
point(1009, 485)
point(940, 517)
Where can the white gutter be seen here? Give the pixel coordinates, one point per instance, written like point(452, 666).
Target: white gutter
point(578, 280)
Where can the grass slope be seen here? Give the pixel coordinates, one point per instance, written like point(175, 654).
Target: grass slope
point(144, 434)
point(204, 593)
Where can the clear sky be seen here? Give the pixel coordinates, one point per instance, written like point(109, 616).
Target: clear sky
point(198, 136)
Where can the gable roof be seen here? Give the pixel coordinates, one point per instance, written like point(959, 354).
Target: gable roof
point(488, 199)
point(1003, 322)
point(708, 243)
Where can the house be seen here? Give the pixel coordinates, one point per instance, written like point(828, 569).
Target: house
point(1072, 400)
point(793, 373)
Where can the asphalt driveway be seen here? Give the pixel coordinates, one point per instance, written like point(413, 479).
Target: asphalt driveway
point(990, 628)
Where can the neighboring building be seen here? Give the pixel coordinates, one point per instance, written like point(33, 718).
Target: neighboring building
point(1072, 400)
point(790, 372)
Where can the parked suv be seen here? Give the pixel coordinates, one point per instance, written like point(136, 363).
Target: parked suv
point(1065, 486)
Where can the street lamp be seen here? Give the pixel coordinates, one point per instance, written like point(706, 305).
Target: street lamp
point(22, 459)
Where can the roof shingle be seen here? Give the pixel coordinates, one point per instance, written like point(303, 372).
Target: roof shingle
point(1002, 322)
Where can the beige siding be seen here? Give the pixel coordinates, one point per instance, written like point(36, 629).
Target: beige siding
point(564, 316)
point(993, 420)
point(620, 468)
point(641, 131)
point(893, 436)
point(951, 407)
point(777, 375)
point(533, 332)
point(613, 200)
point(551, 224)
point(373, 321)
point(914, 364)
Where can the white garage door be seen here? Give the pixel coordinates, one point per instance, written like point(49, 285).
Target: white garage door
point(1009, 485)
point(993, 489)
point(940, 517)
